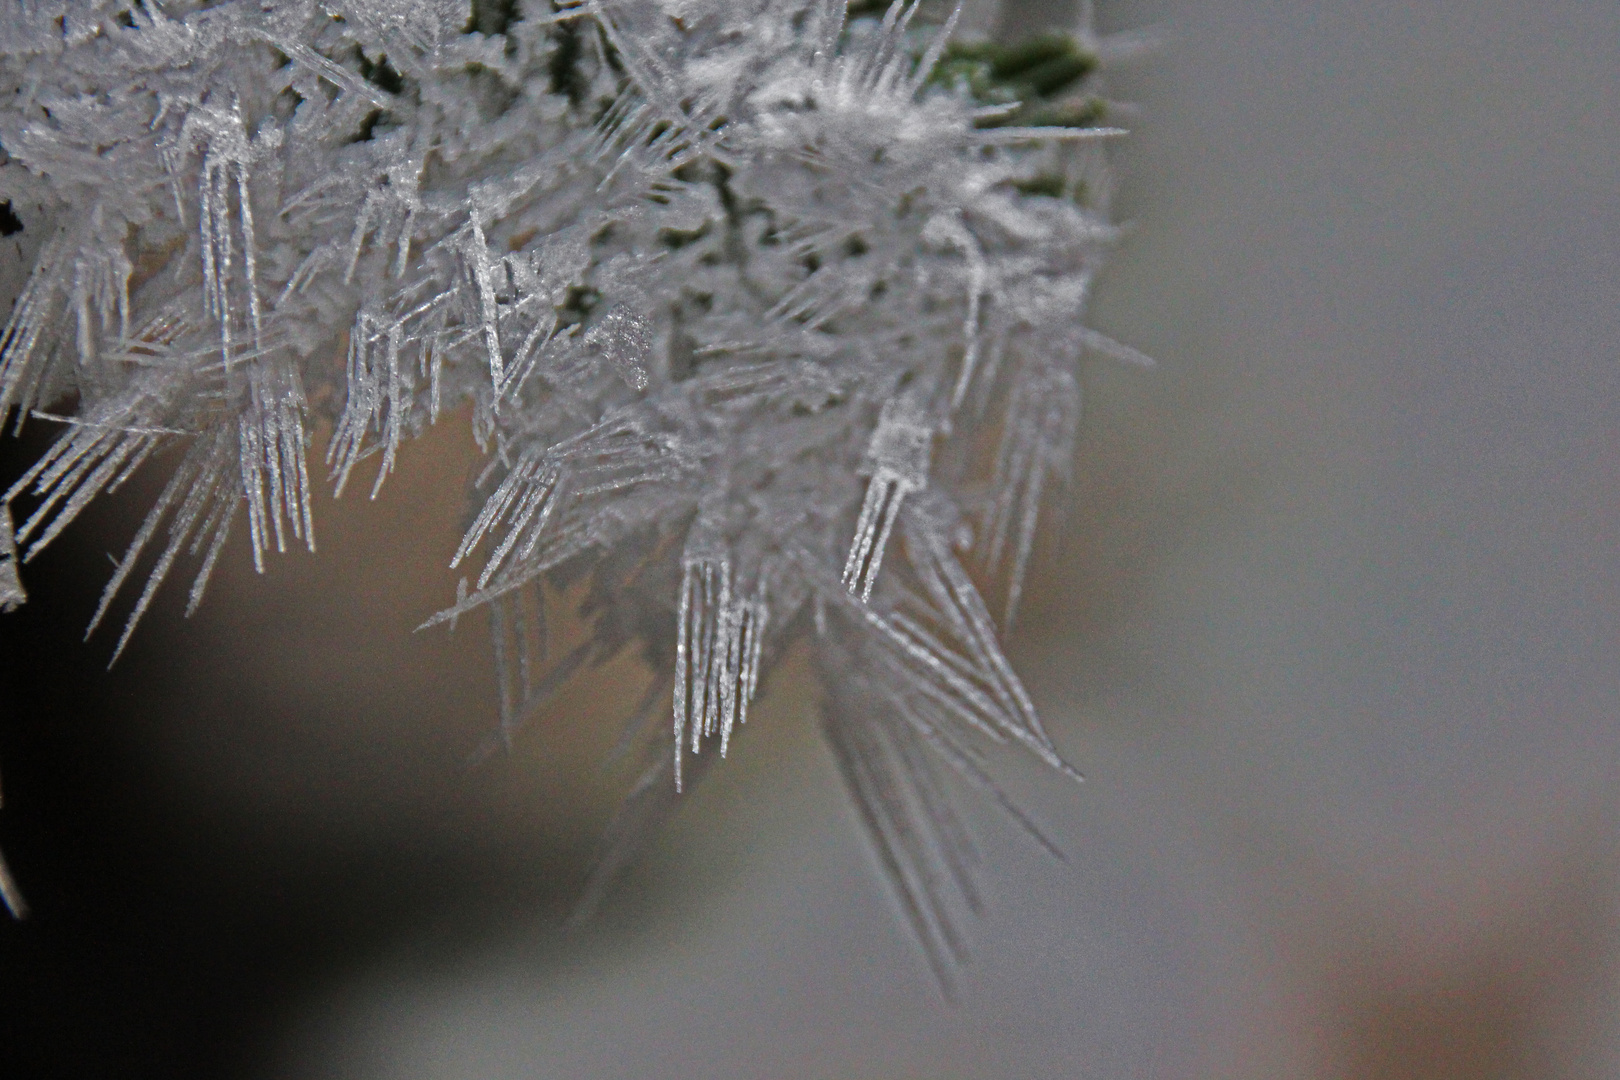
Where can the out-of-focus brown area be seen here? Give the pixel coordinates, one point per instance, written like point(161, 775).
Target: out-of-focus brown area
point(1499, 979)
point(1330, 624)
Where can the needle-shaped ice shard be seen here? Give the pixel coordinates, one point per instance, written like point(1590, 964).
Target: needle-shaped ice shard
point(720, 635)
point(898, 457)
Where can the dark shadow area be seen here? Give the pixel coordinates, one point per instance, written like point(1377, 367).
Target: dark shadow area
point(168, 937)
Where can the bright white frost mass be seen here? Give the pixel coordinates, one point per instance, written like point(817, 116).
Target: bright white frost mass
point(767, 313)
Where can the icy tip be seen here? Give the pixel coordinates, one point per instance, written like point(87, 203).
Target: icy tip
point(12, 593)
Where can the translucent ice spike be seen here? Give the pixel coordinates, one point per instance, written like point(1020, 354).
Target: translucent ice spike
point(11, 586)
point(948, 230)
point(227, 159)
point(378, 388)
point(30, 322)
point(898, 455)
point(275, 475)
point(719, 640)
point(481, 266)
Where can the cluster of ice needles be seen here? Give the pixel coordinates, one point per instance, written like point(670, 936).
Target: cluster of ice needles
point(766, 312)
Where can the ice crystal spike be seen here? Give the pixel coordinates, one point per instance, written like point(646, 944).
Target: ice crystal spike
point(898, 455)
point(720, 633)
point(12, 593)
point(735, 293)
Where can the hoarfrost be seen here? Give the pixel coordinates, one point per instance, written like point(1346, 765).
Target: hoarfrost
point(739, 292)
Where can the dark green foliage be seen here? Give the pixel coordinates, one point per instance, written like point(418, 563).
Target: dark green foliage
point(1033, 74)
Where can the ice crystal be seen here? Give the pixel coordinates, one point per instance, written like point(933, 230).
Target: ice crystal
point(739, 293)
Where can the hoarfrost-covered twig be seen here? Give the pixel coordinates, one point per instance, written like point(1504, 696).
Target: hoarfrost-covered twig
point(767, 314)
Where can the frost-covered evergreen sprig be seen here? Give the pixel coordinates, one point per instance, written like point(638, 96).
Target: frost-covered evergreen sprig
point(767, 313)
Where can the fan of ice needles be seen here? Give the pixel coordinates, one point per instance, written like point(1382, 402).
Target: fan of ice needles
point(767, 313)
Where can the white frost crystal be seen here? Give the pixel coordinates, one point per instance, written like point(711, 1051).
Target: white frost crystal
point(739, 293)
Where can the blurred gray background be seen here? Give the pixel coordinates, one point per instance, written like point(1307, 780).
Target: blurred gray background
point(1331, 626)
